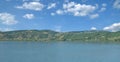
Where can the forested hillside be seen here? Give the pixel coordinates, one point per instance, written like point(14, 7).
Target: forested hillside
point(48, 35)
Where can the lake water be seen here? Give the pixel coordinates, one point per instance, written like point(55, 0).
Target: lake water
point(58, 52)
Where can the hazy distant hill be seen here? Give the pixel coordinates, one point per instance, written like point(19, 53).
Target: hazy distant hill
point(48, 35)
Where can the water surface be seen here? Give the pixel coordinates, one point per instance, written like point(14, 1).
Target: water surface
point(58, 52)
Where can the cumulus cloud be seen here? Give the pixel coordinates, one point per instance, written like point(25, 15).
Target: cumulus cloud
point(76, 9)
point(103, 7)
point(37, 6)
point(93, 16)
point(7, 19)
point(52, 14)
point(29, 16)
point(96, 6)
point(52, 5)
point(114, 27)
point(93, 28)
point(60, 12)
point(116, 4)
point(104, 4)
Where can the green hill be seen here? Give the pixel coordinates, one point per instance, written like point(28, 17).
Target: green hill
point(49, 35)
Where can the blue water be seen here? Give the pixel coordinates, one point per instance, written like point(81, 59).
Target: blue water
point(58, 52)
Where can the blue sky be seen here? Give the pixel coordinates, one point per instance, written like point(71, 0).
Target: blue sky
point(60, 15)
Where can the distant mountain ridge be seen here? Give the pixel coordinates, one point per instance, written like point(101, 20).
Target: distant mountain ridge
point(49, 35)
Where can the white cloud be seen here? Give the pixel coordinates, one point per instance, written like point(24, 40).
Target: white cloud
point(104, 4)
point(116, 4)
point(114, 27)
point(77, 9)
point(29, 16)
point(37, 6)
point(103, 7)
point(93, 16)
point(60, 12)
point(52, 14)
point(58, 28)
point(7, 19)
point(93, 28)
point(96, 6)
point(52, 5)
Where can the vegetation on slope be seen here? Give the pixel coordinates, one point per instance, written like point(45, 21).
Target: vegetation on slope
point(48, 35)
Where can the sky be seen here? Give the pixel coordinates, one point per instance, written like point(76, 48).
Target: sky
point(60, 15)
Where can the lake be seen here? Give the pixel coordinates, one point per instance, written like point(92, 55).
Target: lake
point(58, 52)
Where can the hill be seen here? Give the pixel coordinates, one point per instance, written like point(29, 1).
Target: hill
point(49, 35)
